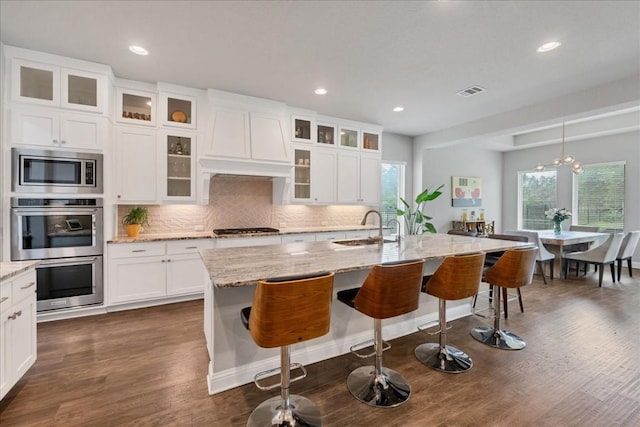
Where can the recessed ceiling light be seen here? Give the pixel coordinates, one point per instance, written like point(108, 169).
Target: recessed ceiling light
point(548, 46)
point(138, 50)
point(320, 91)
point(398, 108)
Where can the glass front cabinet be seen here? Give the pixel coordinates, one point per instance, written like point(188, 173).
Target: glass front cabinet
point(178, 166)
point(326, 134)
point(302, 174)
point(303, 129)
point(135, 107)
point(349, 138)
point(177, 111)
point(53, 86)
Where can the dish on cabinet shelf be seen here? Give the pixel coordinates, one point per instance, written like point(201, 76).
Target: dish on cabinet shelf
point(179, 116)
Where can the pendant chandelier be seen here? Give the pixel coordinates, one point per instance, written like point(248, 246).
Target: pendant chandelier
point(564, 159)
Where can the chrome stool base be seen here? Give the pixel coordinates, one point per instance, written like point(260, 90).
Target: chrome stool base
point(302, 412)
point(498, 338)
point(387, 390)
point(451, 360)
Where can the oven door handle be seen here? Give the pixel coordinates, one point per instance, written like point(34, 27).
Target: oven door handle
point(67, 261)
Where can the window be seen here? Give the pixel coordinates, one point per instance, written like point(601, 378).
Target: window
point(392, 188)
point(536, 194)
point(598, 196)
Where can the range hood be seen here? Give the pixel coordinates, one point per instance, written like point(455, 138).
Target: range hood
point(245, 167)
point(278, 173)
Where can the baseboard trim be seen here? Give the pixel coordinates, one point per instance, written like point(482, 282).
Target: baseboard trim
point(152, 303)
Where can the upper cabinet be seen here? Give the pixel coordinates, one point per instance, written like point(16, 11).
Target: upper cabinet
point(349, 138)
point(177, 110)
point(303, 128)
point(326, 134)
point(135, 107)
point(55, 86)
point(371, 141)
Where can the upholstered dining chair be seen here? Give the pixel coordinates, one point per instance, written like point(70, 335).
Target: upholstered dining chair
point(544, 256)
point(627, 248)
point(600, 256)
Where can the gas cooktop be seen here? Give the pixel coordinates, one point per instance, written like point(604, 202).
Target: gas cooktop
point(252, 230)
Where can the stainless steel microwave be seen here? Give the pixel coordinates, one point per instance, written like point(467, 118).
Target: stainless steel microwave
point(48, 171)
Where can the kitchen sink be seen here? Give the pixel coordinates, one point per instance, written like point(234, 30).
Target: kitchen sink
point(362, 242)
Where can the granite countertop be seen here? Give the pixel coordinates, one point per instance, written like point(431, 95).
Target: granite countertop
point(211, 235)
point(230, 267)
point(11, 269)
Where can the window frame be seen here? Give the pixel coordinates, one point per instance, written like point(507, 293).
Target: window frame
point(519, 210)
point(401, 187)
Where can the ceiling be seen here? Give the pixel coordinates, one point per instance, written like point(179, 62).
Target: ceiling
point(370, 55)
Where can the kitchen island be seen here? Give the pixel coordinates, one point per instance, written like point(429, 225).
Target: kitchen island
point(235, 358)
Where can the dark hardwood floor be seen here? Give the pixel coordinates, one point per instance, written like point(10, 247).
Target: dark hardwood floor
point(147, 367)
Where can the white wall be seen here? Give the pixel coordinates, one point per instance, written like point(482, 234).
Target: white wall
point(621, 147)
point(440, 164)
point(399, 148)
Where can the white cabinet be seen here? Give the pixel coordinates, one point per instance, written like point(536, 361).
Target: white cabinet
point(137, 107)
point(177, 165)
point(152, 271)
point(269, 138)
point(177, 110)
point(136, 166)
point(330, 235)
point(299, 238)
point(54, 86)
point(238, 242)
point(54, 128)
point(18, 350)
point(324, 175)
point(358, 178)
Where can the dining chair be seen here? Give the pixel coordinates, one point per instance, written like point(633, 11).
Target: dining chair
point(600, 256)
point(544, 256)
point(627, 248)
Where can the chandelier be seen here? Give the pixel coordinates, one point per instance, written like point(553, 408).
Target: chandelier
point(564, 159)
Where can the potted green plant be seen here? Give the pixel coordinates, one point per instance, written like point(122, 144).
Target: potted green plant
point(134, 220)
point(416, 221)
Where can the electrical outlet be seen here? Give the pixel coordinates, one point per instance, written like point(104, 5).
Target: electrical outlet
point(199, 227)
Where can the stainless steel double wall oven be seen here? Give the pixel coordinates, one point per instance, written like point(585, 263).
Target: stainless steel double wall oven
point(66, 234)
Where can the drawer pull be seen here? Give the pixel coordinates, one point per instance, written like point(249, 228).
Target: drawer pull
point(15, 315)
point(139, 250)
point(191, 247)
point(28, 286)
point(3, 299)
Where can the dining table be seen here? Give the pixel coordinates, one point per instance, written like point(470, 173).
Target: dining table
point(567, 238)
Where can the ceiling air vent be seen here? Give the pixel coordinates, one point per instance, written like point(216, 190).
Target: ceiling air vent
point(470, 91)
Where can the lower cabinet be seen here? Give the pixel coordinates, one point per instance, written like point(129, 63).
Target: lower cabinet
point(18, 348)
point(141, 272)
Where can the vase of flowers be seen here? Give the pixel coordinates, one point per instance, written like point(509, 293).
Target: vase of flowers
point(557, 216)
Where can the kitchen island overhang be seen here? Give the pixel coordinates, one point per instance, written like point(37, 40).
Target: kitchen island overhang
point(234, 358)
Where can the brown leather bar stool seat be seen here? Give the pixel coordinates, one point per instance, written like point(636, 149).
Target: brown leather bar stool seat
point(286, 311)
point(389, 290)
point(458, 277)
point(514, 269)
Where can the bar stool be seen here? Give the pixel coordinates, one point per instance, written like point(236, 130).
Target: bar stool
point(390, 290)
point(514, 269)
point(458, 277)
point(287, 311)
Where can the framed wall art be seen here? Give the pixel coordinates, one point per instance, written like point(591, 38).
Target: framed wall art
point(466, 191)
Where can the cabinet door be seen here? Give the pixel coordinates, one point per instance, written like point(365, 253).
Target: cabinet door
point(136, 279)
point(230, 134)
point(22, 343)
point(83, 90)
point(177, 166)
point(349, 177)
point(5, 354)
point(370, 179)
point(77, 131)
point(269, 138)
point(35, 83)
point(302, 174)
point(136, 165)
point(323, 175)
point(35, 127)
point(177, 110)
point(186, 274)
point(135, 107)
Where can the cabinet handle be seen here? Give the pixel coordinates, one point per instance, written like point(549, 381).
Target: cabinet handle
point(3, 299)
point(168, 260)
point(191, 247)
point(139, 250)
point(15, 315)
point(28, 286)
point(119, 196)
point(62, 141)
point(163, 260)
point(55, 141)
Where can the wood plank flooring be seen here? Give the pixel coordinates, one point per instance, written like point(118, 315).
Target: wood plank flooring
point(147, 367)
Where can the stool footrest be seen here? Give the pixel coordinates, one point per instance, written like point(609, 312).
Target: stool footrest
point(355, 349)
point(423, 328)
point(266, 374)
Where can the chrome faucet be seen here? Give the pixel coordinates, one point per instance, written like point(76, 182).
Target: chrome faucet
point(364, 221)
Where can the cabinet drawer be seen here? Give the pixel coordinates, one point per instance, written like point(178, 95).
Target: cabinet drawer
point(128, 250)
point(5, 296)
point(297, 238)
point(332, 235)
point(24, 286)
point(188, 246)
point(361, 234)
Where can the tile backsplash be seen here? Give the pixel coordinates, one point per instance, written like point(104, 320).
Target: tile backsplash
point(243, 202)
